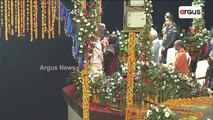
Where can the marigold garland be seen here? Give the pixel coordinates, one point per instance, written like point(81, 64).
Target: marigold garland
point(24, 17)
point(49, 18)
point(130, 75)
point(84, 4)
point(19, 17)
point(43, 24)
point(12, 17)
point(28, 16)
point(175, 104)
point(100, 7)
point(6, 21)
point(53, 19)
point(59, 17)
point(31, 20)
point(85, 96)
point(8, 15)
point(35, 21)
point(85, 83)
point(16, 17)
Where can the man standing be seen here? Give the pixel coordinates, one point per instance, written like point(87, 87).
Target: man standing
point(169, 35)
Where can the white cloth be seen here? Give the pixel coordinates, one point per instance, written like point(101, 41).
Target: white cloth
point(200, 72)
point(156, 45)
point(170, 55)
point(201, 69)
point(211, 53)
point(189, 59)
point(96, 60)
point(97, 56)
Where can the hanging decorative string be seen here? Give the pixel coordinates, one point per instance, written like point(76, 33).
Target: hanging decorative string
point(44, 28)
point(23, 18)
point(2, 14)
point(6, 22)
point(45, 15)
point(100, 7)
point(49, 19)
point(16, 17)
point(28, 16)
point(8, 15)
point(42, 19)
point(53, 18)
point(19, 29)
point(19, 16)
point(59, 17)
point(130, 75)
point(35, 16)
point(31, 20)
point(12, 17)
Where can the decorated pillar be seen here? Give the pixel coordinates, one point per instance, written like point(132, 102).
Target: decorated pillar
point(85, 83)
point(130, 75)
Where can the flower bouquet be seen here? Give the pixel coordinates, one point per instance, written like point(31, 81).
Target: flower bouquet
point(159, 112)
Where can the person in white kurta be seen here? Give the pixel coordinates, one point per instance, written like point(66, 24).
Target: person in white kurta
point(156, 45)
point(96, 61)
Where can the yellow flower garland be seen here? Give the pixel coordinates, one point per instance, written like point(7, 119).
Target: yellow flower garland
point(19, 18)
point(28, 13)
point(35, 18)
point(12, 17)
point(23, 20)
point(85, 96)
point(31, 21)
point(6, 21)
point(43, 14)
point(130, 75)
point(85, 83)
point(49, 19)
point(175, 104)
point(53, 19)
point(8, 15)
point(59, 17)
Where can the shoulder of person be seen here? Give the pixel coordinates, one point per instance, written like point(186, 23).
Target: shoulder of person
point(174, 28)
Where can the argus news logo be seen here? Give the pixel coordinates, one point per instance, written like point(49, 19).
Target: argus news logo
point(190, 12)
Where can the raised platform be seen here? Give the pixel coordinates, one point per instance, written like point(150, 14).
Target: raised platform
point(105, 113)
point(96, 112)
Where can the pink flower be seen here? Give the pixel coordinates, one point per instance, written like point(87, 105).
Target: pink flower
point(183, 30)
point(86, 15)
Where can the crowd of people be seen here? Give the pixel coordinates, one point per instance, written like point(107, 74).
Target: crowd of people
point(169, 51)
point(105, 53)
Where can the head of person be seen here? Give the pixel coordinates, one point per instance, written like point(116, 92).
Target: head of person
point(178, 45)
point(112, 39)
point(168, 18)
point(153, 34)
point(101, 30)
point(167, 14)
